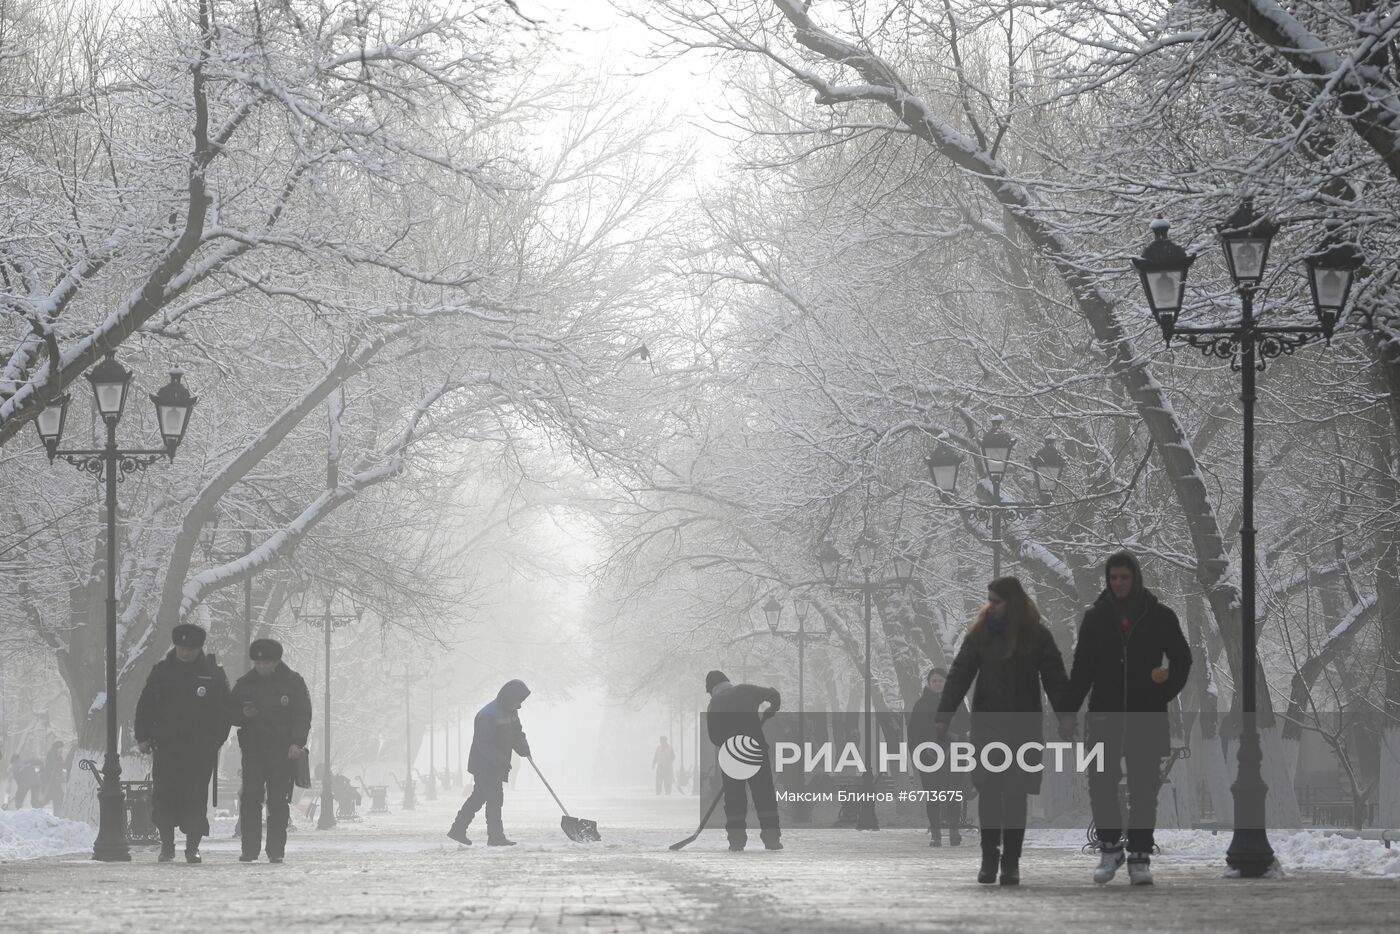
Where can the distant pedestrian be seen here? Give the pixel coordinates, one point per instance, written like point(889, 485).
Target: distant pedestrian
point(923, 722)
point(182, 717)
point(496, 734)
point(663, 760)
point(1011, 655)
point(733, 712)
point(272, 709)
point(55, 776)
point(1118, 664)
point(27, 777)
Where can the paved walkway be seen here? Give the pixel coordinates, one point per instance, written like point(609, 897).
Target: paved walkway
point(397, 872)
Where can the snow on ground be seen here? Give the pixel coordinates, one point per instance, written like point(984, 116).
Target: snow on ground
point(32, 834)
point(1295, 849)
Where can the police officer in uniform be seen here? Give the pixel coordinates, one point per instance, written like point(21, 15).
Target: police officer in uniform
point(182, 716)
point(272, 709)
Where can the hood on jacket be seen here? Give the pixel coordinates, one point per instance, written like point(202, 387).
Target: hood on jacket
point(512, 694)
point(1138, 597)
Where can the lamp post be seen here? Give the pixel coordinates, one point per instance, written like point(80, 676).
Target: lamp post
point(432, 764)
point(110, 463)
point(206, 542)
point(830, 561)
point(772, 612)
point(1245, 238)
point(409, 801)
point(328, 623)
point(1047, 464)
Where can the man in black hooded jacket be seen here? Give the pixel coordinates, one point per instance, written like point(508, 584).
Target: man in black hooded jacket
point(1131, 660)
point(182, 716)
point(496, 733)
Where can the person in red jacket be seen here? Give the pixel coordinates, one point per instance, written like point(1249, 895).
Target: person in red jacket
point(1118, 665)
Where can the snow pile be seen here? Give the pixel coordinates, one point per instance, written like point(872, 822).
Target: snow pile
point(1312, 849)
point(32, 833)
point(1296, 850)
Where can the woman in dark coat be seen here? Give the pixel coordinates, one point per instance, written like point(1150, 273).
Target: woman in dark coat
point(1012, 656)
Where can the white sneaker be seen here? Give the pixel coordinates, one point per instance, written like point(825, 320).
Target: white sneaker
point(1140, 869)
point(1110, 858)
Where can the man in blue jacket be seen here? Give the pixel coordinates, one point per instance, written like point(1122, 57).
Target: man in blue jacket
point(496, 733)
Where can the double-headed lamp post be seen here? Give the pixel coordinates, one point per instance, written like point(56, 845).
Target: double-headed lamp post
point(409, 800)
point(1245, 238)
point(110, 384)
point(207, 538)
point(327, 622)
point(867, 560)
point(1047, 464)
point(773, 614)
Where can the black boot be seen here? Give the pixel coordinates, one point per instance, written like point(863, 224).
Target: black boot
point(991, 858)
point(935, 837)
point(458, 832)
point(167, 845)
point(1011, 856)
point(192, 849)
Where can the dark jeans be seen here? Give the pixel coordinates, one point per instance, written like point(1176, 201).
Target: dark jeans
point(267, 775)
point(1144, 767)
point(1001, 812)
point(491, 794)
point(663, 780)
point(765, 802)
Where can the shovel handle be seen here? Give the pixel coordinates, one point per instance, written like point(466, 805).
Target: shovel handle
point(531, 760)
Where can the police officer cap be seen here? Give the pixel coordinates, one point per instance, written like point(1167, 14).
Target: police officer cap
point(188, 636)
point(265, 650)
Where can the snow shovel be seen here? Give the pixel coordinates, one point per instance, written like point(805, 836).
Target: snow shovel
point(576, 829)
point(682, 844)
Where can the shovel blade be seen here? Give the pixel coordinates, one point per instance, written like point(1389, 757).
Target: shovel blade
point(579, 830)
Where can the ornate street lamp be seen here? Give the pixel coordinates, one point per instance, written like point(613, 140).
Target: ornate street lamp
point(208, 538)
point(829, 560)
point(173, 404)
point(328, 622)
point(996, 447)
point(1163, 267)
point(943, 466)
point(1248, 345)
point(110, 385)
point(1331, 272)
point(110, 382)
point(773, 612)
point(1245, 237)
